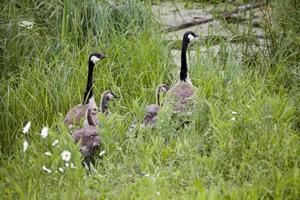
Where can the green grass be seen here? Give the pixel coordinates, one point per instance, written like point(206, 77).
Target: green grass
point(250, 154)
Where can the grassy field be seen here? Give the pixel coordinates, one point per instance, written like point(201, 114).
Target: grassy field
point(243, 142)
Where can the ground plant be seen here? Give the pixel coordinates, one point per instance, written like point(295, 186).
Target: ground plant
point(243, 141)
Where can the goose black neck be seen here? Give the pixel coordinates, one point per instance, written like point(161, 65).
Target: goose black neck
point(89, 85)
point(184, 69)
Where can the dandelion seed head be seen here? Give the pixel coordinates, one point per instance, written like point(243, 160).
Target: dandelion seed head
point(44, 132)
point(26, 128)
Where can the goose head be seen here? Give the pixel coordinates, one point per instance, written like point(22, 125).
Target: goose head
point(190, 36)
point(108, 95)
point(163, 88)
point(95, 57)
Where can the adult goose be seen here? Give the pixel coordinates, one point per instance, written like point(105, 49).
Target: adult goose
point(182, 93)
point(88, 136)
point(153, 109)
point(78, 112)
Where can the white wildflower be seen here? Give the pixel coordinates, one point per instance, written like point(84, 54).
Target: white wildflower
point(233, 112)
point(73, 166)
point(49, 171)
point(26, 128)
point(67, 164)
point(25, 145)
point(233, 119)
point(61, 170)
point(102, 153)
point(44, 132)
point(158, 193)
point(55, 143)
point(66, 155)
point(147, 175)
point(47, 153)
point(26, 24)
point(248, 106)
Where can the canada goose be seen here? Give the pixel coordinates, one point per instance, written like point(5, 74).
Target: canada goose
point(88, 135)
point(182, 93)
point(153, 109)
point(77, 113)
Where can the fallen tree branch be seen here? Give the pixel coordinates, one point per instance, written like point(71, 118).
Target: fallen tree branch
point(225, 15)
point(217, 39)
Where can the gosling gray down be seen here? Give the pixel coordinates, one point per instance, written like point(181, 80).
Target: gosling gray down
point(88, 135)
point(153, 109)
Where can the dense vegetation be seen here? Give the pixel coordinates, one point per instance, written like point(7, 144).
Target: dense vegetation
point(243, 142)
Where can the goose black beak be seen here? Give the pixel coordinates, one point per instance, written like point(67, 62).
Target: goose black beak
point(102, 56)
point(196, 38)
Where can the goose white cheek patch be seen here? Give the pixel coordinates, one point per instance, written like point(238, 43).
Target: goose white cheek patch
point(94, 59)
point(191, 37)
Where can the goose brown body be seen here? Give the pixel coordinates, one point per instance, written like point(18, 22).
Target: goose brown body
point(182, 97)
point(74, 116)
